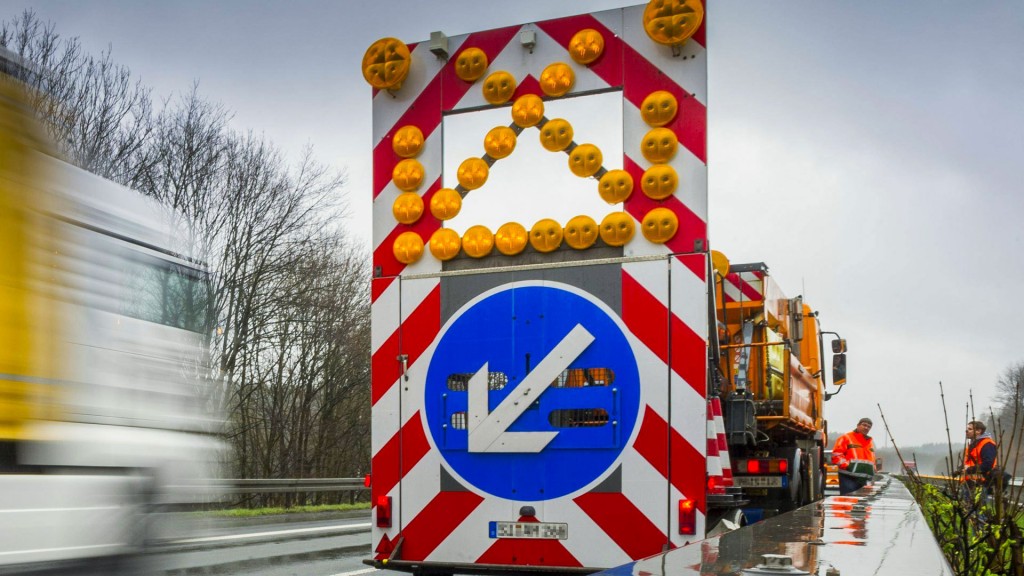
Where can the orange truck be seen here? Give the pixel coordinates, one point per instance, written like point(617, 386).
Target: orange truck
point(770, 376)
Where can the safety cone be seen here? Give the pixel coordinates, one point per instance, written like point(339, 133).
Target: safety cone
point(723, 446)
point(716, 480)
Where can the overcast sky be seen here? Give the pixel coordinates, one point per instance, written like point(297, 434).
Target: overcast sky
point(870, 153)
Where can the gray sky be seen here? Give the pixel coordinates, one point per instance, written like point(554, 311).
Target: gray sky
point(870, 154)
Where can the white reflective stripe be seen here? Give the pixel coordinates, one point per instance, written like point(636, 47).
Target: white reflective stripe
point(339, 528)
point(356, 572)
point(45, 550)
point(37, 510)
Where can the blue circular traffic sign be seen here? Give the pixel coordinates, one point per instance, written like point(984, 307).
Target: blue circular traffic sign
point(532, 392)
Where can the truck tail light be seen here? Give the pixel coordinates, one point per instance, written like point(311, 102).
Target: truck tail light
point(763, 466)
point(384, 512)
point(687, 517)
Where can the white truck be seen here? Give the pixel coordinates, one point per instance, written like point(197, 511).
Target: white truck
point(103, 365)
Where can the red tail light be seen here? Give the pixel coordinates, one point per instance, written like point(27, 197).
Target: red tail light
point(763, 466)
point(687, 517)
point(384, 512)
point(716, 485)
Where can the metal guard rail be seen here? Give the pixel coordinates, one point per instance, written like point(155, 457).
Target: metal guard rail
point(284, 485)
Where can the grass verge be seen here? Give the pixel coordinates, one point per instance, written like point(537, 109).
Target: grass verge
point(257, 512)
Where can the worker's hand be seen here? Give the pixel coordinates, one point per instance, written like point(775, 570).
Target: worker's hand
point(843, 464)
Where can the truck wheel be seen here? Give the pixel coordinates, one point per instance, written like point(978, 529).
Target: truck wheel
point(822, 473)
point(730, 520)
point(811, 480)
point(795, 479)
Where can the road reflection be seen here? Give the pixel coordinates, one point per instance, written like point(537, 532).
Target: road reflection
point(876, 530)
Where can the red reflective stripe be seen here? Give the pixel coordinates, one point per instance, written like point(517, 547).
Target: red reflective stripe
point(527, 85)
point(389, 465)
point(384, 255)
point(609, 66)
point(688, 465)
point(749, 292)
point(696, 263)
point(640, 78)
point(624, 523)
point(492, 42)
point(700, 35)
point(425, 113)
point(690, 124)
point(384, 368)
point(417, 332)
point(691, 226)
point(528, 552)
point(645, 316)
point(723, 444)
point(689, 355)
point(378, 286)
point(435, 522)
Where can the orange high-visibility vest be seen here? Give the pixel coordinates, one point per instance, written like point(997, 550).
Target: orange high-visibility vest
point(972, 457)
point(854, 453)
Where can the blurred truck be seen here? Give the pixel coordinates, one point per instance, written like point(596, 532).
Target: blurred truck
point(104, 322)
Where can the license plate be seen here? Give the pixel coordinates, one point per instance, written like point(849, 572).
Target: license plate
point(531, 530)
point(757, 481)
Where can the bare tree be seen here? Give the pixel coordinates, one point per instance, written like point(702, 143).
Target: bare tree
point(99, 116)
point(1009, 417)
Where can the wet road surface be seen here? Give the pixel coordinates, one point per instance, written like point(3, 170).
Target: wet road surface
point(876, 530)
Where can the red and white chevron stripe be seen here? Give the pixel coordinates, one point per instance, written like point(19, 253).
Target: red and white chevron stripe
point(664, 308)
point(723, 444)
point(716, 478)
point(743, 287)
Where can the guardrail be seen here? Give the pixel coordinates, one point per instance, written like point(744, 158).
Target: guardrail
point(285, 485)
point(228, 486)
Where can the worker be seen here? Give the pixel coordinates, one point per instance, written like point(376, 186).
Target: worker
point(854, 454)
point(980, 456)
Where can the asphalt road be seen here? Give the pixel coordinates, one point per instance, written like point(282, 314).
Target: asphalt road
point(299, 545)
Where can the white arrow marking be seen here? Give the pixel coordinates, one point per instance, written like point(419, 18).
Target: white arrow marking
point(488, 431)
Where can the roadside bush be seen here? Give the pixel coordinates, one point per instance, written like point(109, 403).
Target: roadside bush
point(979, 537)
point(979, 531)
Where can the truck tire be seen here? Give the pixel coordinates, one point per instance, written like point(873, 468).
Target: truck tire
point(731, 520)
point(811, 479)
point(796, 475)
point(822, 472)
